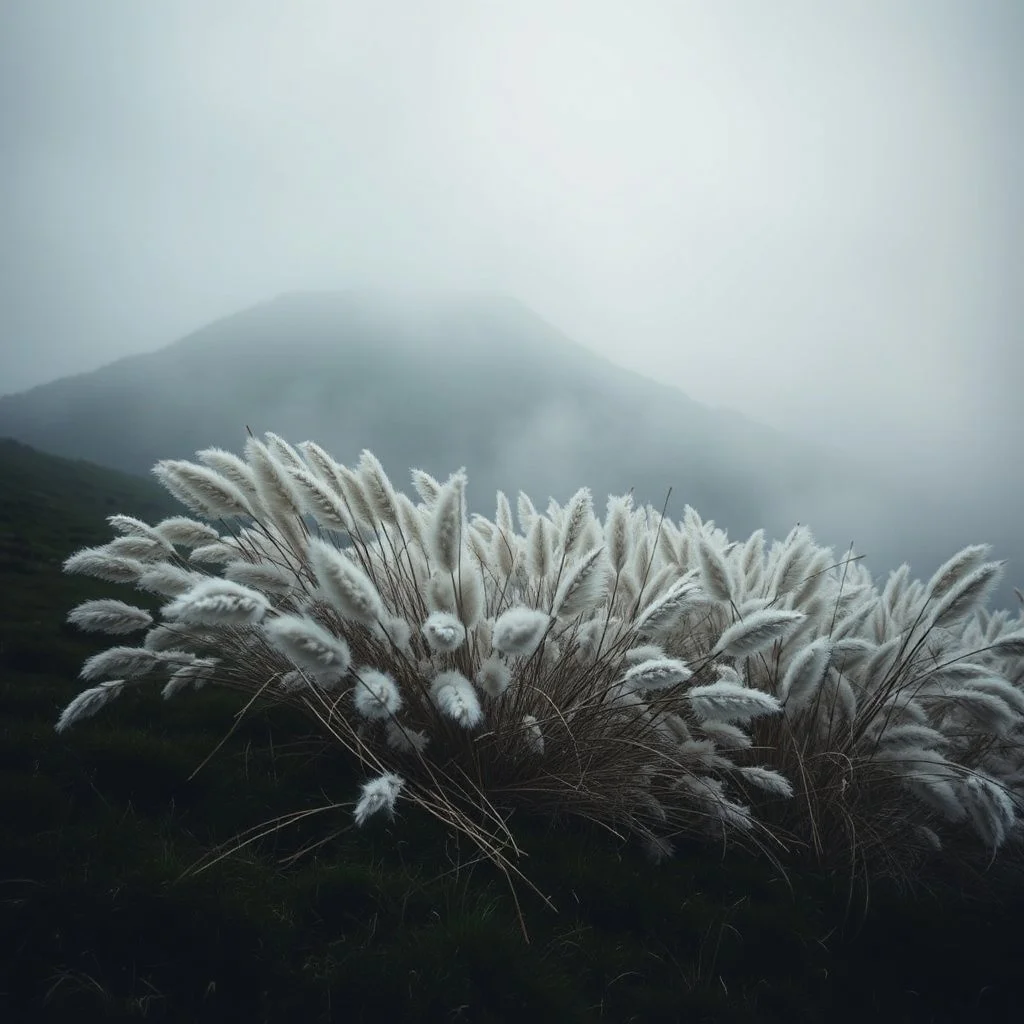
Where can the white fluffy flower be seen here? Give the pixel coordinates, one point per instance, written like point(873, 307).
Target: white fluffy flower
point(218, 602)
point(102, 564)
point(376, 694)
point(447, 525)
point(444, 632)
point(728, 702)
point(125, 661)
point(493, 676)
point(88, 702)
point(168, 580)
point(663, 614)
point(349, 589)
point(757, 631)
point(379, 794)
point(189, 533)
point(195, 674)
point(582, 586)
point(657, 674)
point(202, 490)
point(519, 631)
point(805, 674)
point(770, 781)
point(108, 615)
point(309, 646)
point(454, 696)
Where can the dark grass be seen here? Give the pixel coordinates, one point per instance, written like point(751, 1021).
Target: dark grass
point(100, 917)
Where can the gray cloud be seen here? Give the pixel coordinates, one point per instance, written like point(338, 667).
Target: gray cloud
point(808, 212)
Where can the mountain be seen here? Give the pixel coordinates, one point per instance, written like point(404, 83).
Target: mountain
point(445, 380)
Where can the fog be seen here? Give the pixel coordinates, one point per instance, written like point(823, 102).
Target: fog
point(807, 212)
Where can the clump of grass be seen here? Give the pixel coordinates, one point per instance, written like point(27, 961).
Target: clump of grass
point(901, 726)
point(644, 675)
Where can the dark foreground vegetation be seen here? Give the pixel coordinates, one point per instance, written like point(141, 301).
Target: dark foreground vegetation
point(102, 913)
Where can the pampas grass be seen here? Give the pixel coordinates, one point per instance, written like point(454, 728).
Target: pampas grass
point(649, 675)
point(108, 615)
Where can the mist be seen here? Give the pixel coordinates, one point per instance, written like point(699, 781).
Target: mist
point(806, 213)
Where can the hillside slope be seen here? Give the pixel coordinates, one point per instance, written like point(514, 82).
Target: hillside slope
point(440, 381)
point(49, 508)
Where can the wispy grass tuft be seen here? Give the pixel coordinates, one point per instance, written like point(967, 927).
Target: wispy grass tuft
point(647, 676)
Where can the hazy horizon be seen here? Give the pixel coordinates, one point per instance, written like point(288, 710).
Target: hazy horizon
point(807, 213)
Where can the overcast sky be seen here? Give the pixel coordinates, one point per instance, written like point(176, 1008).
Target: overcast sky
point(811, 212)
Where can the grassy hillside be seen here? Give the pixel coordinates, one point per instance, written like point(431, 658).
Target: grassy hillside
point(50, 507)
point(392, 922)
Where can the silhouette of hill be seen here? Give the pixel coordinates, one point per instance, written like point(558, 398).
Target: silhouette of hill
point(441, 381)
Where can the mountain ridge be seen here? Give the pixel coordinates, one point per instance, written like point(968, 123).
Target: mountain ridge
point(288, 303)
point(466, 379)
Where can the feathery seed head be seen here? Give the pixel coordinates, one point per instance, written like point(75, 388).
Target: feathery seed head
point(108, 615)
point(377, 487)
point(202, 490)
point(218, 602)
point(493, 676)
point(454, 697)
point(519, 631)
point(447, 524)
point(657, 674)
point(102, 564)
point(309, 646)
point(346, 585)
point(444, 632)
point(380, 794)
point(376, 694)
